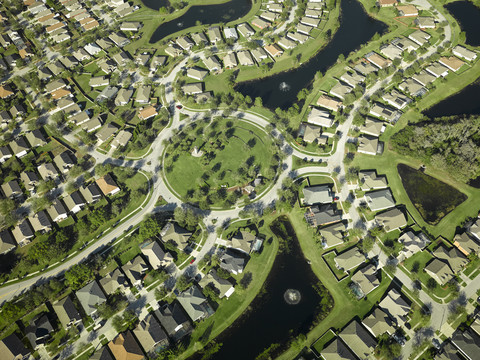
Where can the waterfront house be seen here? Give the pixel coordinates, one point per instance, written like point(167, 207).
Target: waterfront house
point(352, 78)
point(199, 38)
point(391, 51)
point(245, 30)
point(150, 334)
point(369, 180)
point(337, 349)
point(379, 199)
point(377, 60)
point(329, 103)
point(230, 61)
point(174, 321)
point(366, 280)
point(424, 78)
point(333, 234)
point(420, 37)
point(214, 34)
point(340, 90)
point(222, 287)
point(367, 145)
point(325, 214)
point(260, 23)
point(358, 339)
point(437, 70)
point(464, 53)
point(245, 58)
point(233, 262)
point(192, 88)
point(425, 22)
point(286, 43)
point(349, 259)
point(269, 16)
point(396, 99)
point(185, 43)
point(391, 219)
point(372, 127)
point(230, 33)
point(453, 63)
point(195, 304)
point(320, 118)
point(197, 73)
point(407, 10)
point(273, 50)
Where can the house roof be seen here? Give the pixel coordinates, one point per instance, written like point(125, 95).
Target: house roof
point(370, 180)
point(114, 281)
point(419, 36)
point(380, 199)
point(333, 234)
point(311, 133)
point(245, 58)
point(12, 348)
point(11, 188)
point(243, 241)
point(394, 305)
point(392, 219)
point(340, 90)
point(18, 145)
point(378, 323)
point(107, 185)
point(174, 320)
point(5, 91)
point(358, 339)
point(149, 333)
point(102, 354)
point(230, 60)
point(66, 311)
point(193, 88)
point(197, 73)
point(125, 347)
point(232, 262)
point(38, 329)
point(155, 255)
point(378, 60)
point(466, 244)
point(439, 270)
point(407, 10)
point(273, 50)
point(7, 242)
point(56, 209)
point(329, 102)
point(319, 194)
point(467, 341)
point(366, 278)
point(224, 287)
point(437, 69)
point(212, 63)
point(40, 221)
point(194, 303)
point(322, 214)
point(451, 62)
point(337, 350)
point(349, 259)
point(135, 269)
point(320, 117)
point(106, 132)
point(367, 144)
point(147, 112)
point(412, 244)
point(455, 258)
point(174, 232)
point(122, 138)
point(89, 296)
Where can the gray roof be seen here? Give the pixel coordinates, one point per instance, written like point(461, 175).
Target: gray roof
point(66, 311)
point(337, 350)
point(150, 334)
point(12, 348)
point(174, 232)
point(7, 242)
point(89, 296)
point(194, 303)
point(174, 321)
point(358, 339)
point(135, 269)
point(323, 214)
point(106, 132)
point(394, 305)
point(349, 259)
point(378, 323)
point(114, 281)
point(468, 342)
point(319, 194)
point(366, 278)
point(380, 199)
point(392, 219)
point(232, 262)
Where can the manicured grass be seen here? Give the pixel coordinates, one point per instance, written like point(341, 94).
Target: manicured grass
point(319, 180)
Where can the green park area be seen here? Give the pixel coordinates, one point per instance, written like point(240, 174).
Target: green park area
point(212, 163)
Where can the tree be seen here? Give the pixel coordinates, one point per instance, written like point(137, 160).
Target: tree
point(78, 275)
point(183, 283)
point(246, 279)
point(387, 347)
point(431, 284)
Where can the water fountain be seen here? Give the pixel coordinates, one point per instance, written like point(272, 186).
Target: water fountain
point(292, 296)
point(284, 86)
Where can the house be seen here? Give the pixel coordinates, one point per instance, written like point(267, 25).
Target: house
point(337, 350)
point(47, 171)
point(64, 161)
point(97, 81)
point(123, 97)
point(107, 185)
point(464, 53)
point(318, 215)
point(320, 118)
point(11, 189)
point(135, 270)
point(379, 323)
point(349, 259)
point(269, 16)
point(13, 349)
point(40, 222)
point(377, 60)
point(425, 22)
point(466, 244)
point(119, 39)
point(17, 111)
point(420, 37)
point(319, 194)
point(80, 118)
point(468, 342)
point(312, 133)
point(194, 303)
point(260, 23)
point(122, 139)
point(230, 61)
point(185, 43)
point(131, 26)
point(259, 54)
point(6, 91)
point(396, 99)
point(7, 242)
point(57, 211)
point(407, 10)
point(114, 282)
point(67, 313)
point(304, 29)
point(352, 78)
point(391, 219)
point(143, 94)
point(125, 347)
point(5, 118)
point(333, 235)
point(74, 202)
point(405, 44)
point(105, 43)
point(35, 138)
point(391, 51)
point(197, 73)
point(106, 65)
point(172, 232)
point(156, 256)
point(439, 270)
point(91, 193)
point(157, 60)
point(245, 58)
point(452, 257)
point(358, 339)
point(474, 229)
point(230, 33)
point(273, 50)
point(90, 296)
point(245, 30)
point(108, 93)
point(395, 306)
point(412, 244)
point(106, 132)
point(214, 34)
point(340, 90)
point(380, 199)
point(192, 88)
point(212, 63)
point(142, 59)
point(275, 7)
point(367, 145)
point(366, 279)
point(199, 38)
point(385, 112)
point(310, 21)
point(286, 43)
point(147, 113)
point(233, 262)
point(242, 241)
point(437, 70)
point(174, 321)
point(365, 68)
point(453, 63)
point(221, 286)
point(19, 147)
point(81, 55)
point(23, 233)
point(92, 49)
point(55, 85)
point(39, 330)
point(412, 87)
point(102, 354)
point(5, 154)
point(372, 127)
point(387, 3)
point(150, 334)
point(298, 37)
point(173, 50)
point(313, 13)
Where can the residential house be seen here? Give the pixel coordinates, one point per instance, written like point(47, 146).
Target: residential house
point(412, 244)
point(407, 10)
point(379, 323)
point(107, 185)
point(412, 87)
point(102, 354)
point(114, 282)
point(437, 70)
point(7, 242)
point(90, 296)
point(340, 90)
point(352, 78)
point(40, 222)
point(286, 43)
point(106, 65)
point(135, 270)
point(122, 139)
point(5, 154)
point(195, 304)
point(452, 63)
point(47, 171)
point(273, 50)
point(157, 60)
point(123, 97)
point(358, 339)
point(396, 99)
point(92, 124)
point(19, 147)
point(199, 38)
point(106, 132)
point(395, 306)
point(173, 50)
point(174, 321)
point(391, 51)
point(474, 229)
point(74, 202)
point(329, 103)
point(64, 161)
point(349, 259)
point(125, 347)
point(69, 62)
point(405, 44)
point(387, 3)
point(320, 118)
point(6, 91)
point(391, 219)
point(367, 145)
point(420, 37)
point(147, 113)
point(13, 349)
point(230, 61)
point(193, 88)
point(304, 29)
point(275, 7)
point(57, 211)
point(269, 16)
point(11, 189)
point(39, 330)
point(5, 118)
point(233, 262)
point(333, 235)
point(35, 138)
point(185, 43)
point(319, 215)
point(446, 263)
point(260, 23)
point(424, 78)
point(378, 60)
point(425, 22)
point(439, 270)
point(143, 94)
point(337, 350)
point(98, 81)
point(212, 63)
point(319, 194)
point(92, 49)
point(385, 112)
point(309, 21)
point(172, 232)
point(197, 73)
point(259, 54)
point(230, 33)
point(466, 244)
point(245, 58)
point(150, 334)
point(313, 13)
point(80, 118)
point(365, 68)
point(91, 193)
point(106, 94)
point(312, 134)
point(17, 111)
point(131, 26)
point(468, 342)
point(365, 280)
point(222, 287)
point(81, 55)
point(380, 199)
point(105, 43)
point(156, 256)
point(245, 30)
point(119, 39)
point(67, 313)
point(23, 233)
point(214, 34)
point(369, 180)
point(464, 53)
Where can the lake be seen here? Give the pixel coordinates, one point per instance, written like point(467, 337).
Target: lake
point(156, 4)
point(356, 28)
point(468, 16)
point(271, 319)
point(206, 14)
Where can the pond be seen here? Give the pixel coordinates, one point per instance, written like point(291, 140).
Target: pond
point(156, 4)
point(205, 14)
point(272, 320)
point(465, 102)
point(356, 28)
point(432, 198)
point(468, 16)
